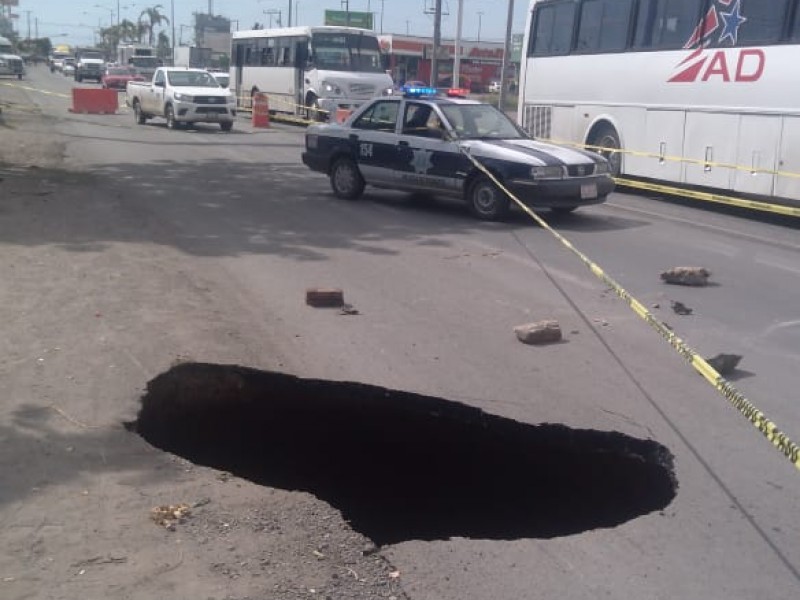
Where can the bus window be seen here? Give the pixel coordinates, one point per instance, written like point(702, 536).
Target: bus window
point(553, 25)
point(604, 25)
point(666, 24)
point(347, 52)
point(764, 25)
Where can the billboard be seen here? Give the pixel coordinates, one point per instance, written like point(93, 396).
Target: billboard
point(356, 19)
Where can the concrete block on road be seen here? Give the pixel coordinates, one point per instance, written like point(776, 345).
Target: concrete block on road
point(325, 297)
point(540, 332)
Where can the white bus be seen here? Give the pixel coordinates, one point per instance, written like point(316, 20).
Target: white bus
point(711, 83)
point(304, 69)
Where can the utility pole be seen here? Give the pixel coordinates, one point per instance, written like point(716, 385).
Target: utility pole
point(28, 14)
point(346, 4)
point(289, 24)
point(172, 22)
point(480, 20)
point(437, 42)
point(501, 101)
point(383, 8)
point(457, 49)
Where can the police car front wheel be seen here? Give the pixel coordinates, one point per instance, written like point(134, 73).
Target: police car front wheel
point(487, 201)
point(346, 180)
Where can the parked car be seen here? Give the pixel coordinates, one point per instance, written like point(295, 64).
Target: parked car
point(422, 143)
point(117, 78)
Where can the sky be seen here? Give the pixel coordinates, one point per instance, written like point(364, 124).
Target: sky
point(76, 21)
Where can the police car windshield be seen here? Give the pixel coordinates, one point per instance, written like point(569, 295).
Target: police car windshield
point(346, 52)
point(480, 121)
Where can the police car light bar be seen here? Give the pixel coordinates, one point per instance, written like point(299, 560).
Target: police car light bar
point(457, 92)
point(415, 92)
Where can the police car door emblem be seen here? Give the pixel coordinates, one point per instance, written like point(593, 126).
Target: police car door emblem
point(421, 161)
point(365, 150)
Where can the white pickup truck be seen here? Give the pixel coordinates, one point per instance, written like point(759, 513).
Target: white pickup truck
point(182, 96)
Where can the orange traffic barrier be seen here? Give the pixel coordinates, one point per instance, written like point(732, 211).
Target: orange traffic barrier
point(94, 101)
point(260, 110)
point(342, 114)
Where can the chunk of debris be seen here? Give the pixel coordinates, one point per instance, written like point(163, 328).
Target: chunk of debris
point(679, 308)
point(167, 516)
point(694, 276)
point(325, 297)
point(724, 364)
point(348, 309)
point(540, 332)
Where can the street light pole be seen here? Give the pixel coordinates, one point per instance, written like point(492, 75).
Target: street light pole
point(172, 22)
point(437, 42)
point(501, 101)
point(457, 49)
point(480, 19)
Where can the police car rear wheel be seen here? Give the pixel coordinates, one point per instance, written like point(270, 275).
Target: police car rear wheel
point(486, 201)
point(346, 180)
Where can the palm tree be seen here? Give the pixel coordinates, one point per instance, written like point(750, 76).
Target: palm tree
point(150, 18)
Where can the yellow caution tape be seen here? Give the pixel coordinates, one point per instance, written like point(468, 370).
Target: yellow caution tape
point(32, 89)
point(660, 157)
point(244, 101)
point(779, 439)
point(789, 211)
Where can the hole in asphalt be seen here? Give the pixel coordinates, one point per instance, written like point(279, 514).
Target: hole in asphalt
point(402, 466)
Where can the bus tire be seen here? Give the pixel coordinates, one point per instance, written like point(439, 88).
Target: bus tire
point(486, 201)
point(607, 137)
point(346, 179)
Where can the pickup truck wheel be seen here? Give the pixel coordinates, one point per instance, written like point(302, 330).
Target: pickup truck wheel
point(138, 115)
point(226, 125)
point(169, 113)
point(346, 179)
point(487, 201)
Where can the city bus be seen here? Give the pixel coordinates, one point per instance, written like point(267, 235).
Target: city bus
point(308, 70)
point(692, 92)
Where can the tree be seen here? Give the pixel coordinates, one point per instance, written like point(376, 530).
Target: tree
point(163, 47)
point(150, 18)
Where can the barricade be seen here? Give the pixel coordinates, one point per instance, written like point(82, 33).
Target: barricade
point(260, 110)
point(94, 101)
point(342, 114)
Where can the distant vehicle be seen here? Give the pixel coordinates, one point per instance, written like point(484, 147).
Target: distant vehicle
point(419, 143)
point(222, 77)
point(182, 96)
point(141, 57)
point(311, 70)
point(494, 87)
point(10, 63)
point(193, 57)
point(68, 67)
point(117, 78)
point(89, 64)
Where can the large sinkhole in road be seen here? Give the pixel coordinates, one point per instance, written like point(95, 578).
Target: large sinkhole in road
point(402, 466)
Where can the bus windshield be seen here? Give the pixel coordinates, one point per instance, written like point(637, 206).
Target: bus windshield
point(346, 52)
point(144, 62)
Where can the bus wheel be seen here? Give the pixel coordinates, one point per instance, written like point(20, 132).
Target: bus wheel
point(487, 201)
point(607, 137)
point(346, 179)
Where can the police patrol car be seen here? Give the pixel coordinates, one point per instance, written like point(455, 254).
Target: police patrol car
point(418, 143)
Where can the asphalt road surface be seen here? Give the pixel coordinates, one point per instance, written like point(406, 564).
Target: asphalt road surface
point(127, 249)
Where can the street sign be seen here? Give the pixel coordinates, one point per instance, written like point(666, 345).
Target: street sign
point(515, 52)
point(357, 19)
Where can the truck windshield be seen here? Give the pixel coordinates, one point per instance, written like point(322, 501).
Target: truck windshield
point(346, 52)
point(191, 79)
point(91, 55)
point(5, 49)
